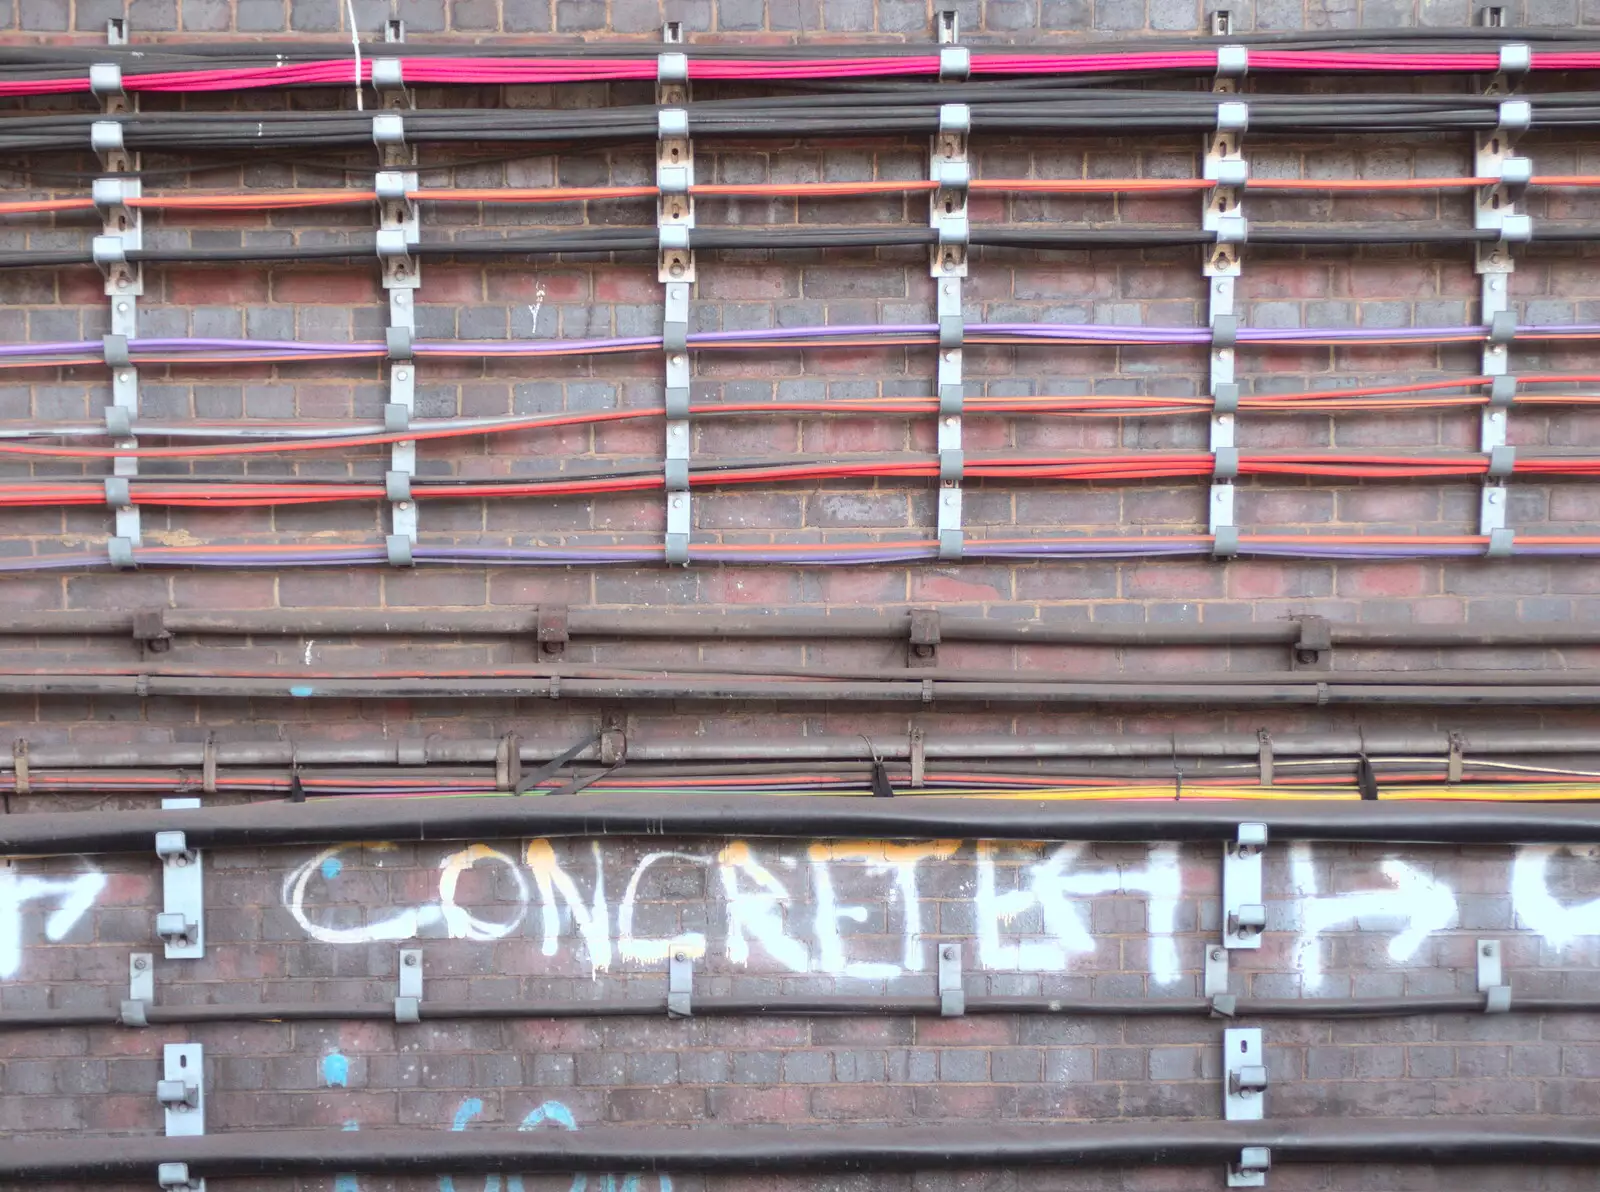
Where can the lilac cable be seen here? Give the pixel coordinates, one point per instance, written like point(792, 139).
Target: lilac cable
point(1045, 332)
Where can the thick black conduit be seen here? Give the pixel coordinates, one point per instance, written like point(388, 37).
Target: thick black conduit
point(756, 1149)
point(581, 622)
point(714, 1007)
point(909, 818)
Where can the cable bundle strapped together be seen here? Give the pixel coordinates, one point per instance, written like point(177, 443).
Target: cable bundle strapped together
point(178, 69)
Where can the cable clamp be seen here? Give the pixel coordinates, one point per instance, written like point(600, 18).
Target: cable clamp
point(955, 118)
point(117, 494)
point(1225, 398)
point(1515, 58)
point(388, 128)
point(1231, 172)
point(1225, 541)
point(392, 242)
point(1516, 117)
point(109, 251)
point(399, 550)
point(952, 462)
point(951, 173)
point(1233, 115)
point(1502, 328)
point(672, 66)
point(680, 985)
point(1233, 62)
point(1502, 462)
point(1226, 463)
point(1501, 541)
point(408, 999)
point(397, 486)
point(1232, 229)
point(119, 421)
point(1502, 391)
point(175, 1176)
point(1516, 228)
point(105, 78)
point(109, 194)
point(952, 387)
point(398, 342)
point(396, 418)
point(952, 327)
point(387, 75)
point(1515, 173)
point(115, 348)
point(1224, 331)
point(1224, 1005)
point(1251, 1169)
point(120, 551)
point(105, 137)
point(952, 994)
point(955, 64)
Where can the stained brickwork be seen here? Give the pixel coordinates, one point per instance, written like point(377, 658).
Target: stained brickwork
point(503, 934)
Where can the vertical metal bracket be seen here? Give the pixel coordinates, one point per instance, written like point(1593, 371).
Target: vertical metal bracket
point(122, 233)
point(408, 1002)
point(952, 995)
point(1491, 978)
point(1496, 208)
point(1313, 649)
point(399, 230)
point(680, 985)
point(1222, 213)
point(950, 170)
point(1251, 1169)
point(181, 923)
point(922, 648)
point(1244, 915)
point(676, 272)
point(1244, 1075)
point(182, 1089)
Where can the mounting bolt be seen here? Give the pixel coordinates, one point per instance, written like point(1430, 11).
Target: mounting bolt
point(1217, 953)
point(140, 963)
point(411, 959)
point(949, 953)
point(680, 957)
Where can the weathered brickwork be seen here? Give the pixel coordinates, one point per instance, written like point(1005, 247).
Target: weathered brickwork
point(531, 919)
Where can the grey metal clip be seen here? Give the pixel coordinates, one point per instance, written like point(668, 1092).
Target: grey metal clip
point(1244, 1075)
point(398, 547)
point(398, 342)
point(141, 990)
point(182, 1089)
point(680, 985)
point(672, 66)
point(396, 417)
point(1233, 115)
point(120, 550)
point(1216, 973)
point(388, 128)
point(1233, 62)
point(117, 493)
point(955, 64)
point(1251, 1169)
point(408, 1002)
point(397, 486)
point(1244, 913)
point(176, 1176)
point(1502, 327)
point(952, 996)
point(1491, 978)
point(387, 75)
point(1502, 462)
point(1501, 541)
point(1226, 463)
point(105, 137)
point(1502, 391)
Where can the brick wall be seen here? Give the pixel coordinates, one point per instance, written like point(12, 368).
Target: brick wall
point(569, 920)
point(511, 929)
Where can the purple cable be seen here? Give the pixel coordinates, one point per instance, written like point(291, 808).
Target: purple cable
point(1045, 332)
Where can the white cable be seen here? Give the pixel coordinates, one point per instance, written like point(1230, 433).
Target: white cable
point(355, 47)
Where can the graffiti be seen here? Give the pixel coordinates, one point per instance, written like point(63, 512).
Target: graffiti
point(550, 1114)
point(72, 898)
point(1058, 886)
point(869, 910)
point(1536, 907)
point(1414, 907)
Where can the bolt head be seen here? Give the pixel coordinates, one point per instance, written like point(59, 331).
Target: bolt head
point(1217, 953)
point(680, 957)
point(141, 963)
point(949, 953)
point(411, 959)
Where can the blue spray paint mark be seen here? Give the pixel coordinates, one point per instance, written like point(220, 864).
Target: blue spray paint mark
point(347, 1181)
point(301, 691)
point(332, 868)
point(335, 1070)
point(551, 1113)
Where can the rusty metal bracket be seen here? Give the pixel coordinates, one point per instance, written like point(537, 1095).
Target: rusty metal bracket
point(150, 630)
point(923, 647)
point(1313, 650)
point(551, 630)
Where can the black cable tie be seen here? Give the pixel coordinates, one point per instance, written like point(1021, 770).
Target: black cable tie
point(533, 779)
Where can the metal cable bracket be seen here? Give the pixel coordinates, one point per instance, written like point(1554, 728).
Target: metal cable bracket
point(181, 923)
point(1222, 214)
point(676, 273)
point(952, 996)
point(399, 231)
point(1244, 915)
point(1244, 1075)
point(1496, 209)
point(680, 985)
point(949, 168)
point(408, 1001)
point(181, 1090)
point(1491, 978)
point(141, 990)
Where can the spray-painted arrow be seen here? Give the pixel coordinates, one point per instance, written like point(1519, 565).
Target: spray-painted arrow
point(1414, 908)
